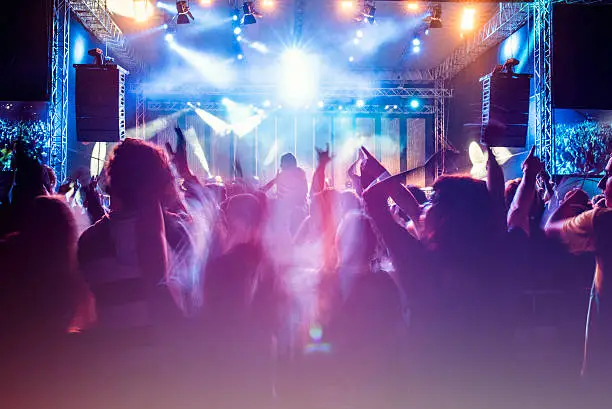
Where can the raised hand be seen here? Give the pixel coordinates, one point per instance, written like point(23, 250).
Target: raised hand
point(179, 157)
point(323, 156)
point(532, 165)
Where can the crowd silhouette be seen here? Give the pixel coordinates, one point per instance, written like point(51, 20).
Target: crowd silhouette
point(186, 293)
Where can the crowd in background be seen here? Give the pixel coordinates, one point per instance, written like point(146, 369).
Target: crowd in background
point(186, 293)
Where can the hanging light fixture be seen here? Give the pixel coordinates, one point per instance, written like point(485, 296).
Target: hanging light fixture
point(184, 12)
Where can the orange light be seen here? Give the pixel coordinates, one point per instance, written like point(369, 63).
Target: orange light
point(268, 4)
point(141, 13)
point(206, 2)
point(346, 5)
point(412, 6)
point(468, 19)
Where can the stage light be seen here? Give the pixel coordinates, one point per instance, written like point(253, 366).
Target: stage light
point(320, 104)
point(299, 77)
point(416, 41)
point(206, 3)
point(360, 103)
point(412, 6)
point(414, 104)
point(184, 12)
point(259, 47)
point(164, 27)
point(435, 17)
point(351, 59)
point(240, 57)
point(356, 41)
point(369, 10)
point(416, 49)
point(394, 106)
point(239, 38)
point(237, 30)
point(170, 38)
point(235, 17)
point(359, 34)
point(267, 103)
point(346, 5)
point(468, 19)
point(340, 107)
point(249, 13)
point(141, 13)
point(268, 4)
point(226, 102)
point(427, 32)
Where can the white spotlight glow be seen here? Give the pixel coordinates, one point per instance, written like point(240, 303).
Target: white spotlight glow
point(170, 38)
point(356, 41)
point(416, 49)
point(360, 103)
point(468, 19)
point(416, 41)
point(359, 34)
point(165, 27)
point(239, 38)
point(299, 77)
point(320, 104)
point(414, 103)
point(267, 103)
point(220, 73)
point(240, 57)
point(259, 47)
point(351, 59)
point(237, 30)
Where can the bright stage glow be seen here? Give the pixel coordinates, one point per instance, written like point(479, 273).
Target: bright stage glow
point(416, 41)
point(237, 30)
point(267, 103)
point(267, 4)
point(239, 38)
point(259, 47)
point(414, 103)
point(206, 3)
point(320, 104)
point(346, 5)
point(218, 125)
point(164, 6)
point(272, 153)
point(240, 57)
point(192, 139)
point(299, 77)
point(360, 103)
point(412, 6)
point(169, 38)
point(141, 12)
point(416, 49)
point(216, 71)
point(79, 51)
point(227, 102)
point(468, 19)
point(356, 41)
point(351, 59)
point(359, 34)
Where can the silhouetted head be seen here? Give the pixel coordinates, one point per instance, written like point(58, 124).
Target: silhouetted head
point(288, 161)
point(356, 240)
point(244, 216)
point(51, 223)
point(605, 184)
point(139, 174)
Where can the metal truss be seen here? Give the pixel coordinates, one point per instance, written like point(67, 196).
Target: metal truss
point(509, 18)
point(298, 21)
point(440, 139)
point(427, 109)
point(95, 17)
point(141, 126)
point(544, 129)
point(59, 50)
point(349, 91)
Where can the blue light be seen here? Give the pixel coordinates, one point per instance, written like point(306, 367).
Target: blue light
point(414, 104)
point(237, 30)
point(416, 41)
point(170, 38)
point(360, 103)
point(240, 56)
point(239, 38)
point(165, 27)
point(235, 17)
point(79, 50)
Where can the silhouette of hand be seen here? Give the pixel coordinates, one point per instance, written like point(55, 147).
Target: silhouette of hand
point(179, 157)
point(532, 164)
point(324, 156)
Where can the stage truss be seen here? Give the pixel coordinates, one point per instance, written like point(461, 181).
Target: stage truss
point(58, 108)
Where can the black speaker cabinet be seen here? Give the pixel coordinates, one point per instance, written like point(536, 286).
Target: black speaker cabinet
point(505, 109)
point(100, 103)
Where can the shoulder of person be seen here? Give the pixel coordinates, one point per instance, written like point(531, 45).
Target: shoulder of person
point(93, 237)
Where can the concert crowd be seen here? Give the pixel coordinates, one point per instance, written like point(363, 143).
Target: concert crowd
point(149, 287)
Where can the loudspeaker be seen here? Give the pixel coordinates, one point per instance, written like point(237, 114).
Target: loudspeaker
point(505, 109)
point(100, 103)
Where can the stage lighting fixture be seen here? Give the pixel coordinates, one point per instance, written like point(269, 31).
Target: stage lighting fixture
point(427, 32)
point(170, 38)
point(416, 41)
point(239, 38)
point(240, 57)
point(394, 106)
point(414, 104)
point(468, 19)
point(435, 18)
point(249, 13)
point(267, 103)
point(320, 104)
point(412, 6)
point(98, 54)
point(165, 27)
point(359, 34)
point(339, 107)
point(351, 59)
point(237, 30)
point(140, 10)
point(268, 3)
point(367, 14)
point(184, 12)
point(416, 49)
point(346, 5)
point(206, 2)
point(360, 103)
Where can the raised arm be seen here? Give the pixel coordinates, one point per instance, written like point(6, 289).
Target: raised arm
point(495, 185)
point(518, 215)
point(318, 177)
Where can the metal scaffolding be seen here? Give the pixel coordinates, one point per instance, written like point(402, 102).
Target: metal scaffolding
point(59, 49)
point(440, 139)
point(141, 125)
point(509, 18)
point(95, 17)
point(544, 129)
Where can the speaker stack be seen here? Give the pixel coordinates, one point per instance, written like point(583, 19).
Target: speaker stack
point(100, 102)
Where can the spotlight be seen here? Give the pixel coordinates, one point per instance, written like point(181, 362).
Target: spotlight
point(235, 17)
point(427, 32)
point(412, 6)
point(140, 10)
point(320, 104)
point(240, 57)
point(435, 17)
point(351, 59)
point(414, 104)
point(165, 27)
point(359, 34)
point(206, 3)
point(356, 41)
point(416, 49)
point(239, 38)
point(268, 3)
point(394, 106)
point(225, 101)
point(237, 30)
point(360, 103)
point(346, 5)
point(386, 106)
point(184, 13)
point(416, 41)
point(249, 13)
point(340, 107)
point(267, 103)
point(170, 37)
point(468, 19)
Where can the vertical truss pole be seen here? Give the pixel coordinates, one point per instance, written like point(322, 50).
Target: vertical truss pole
point(58, 108)
point(544, 130)
point(141, 126)
point(298, 21)
point(440, 128)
